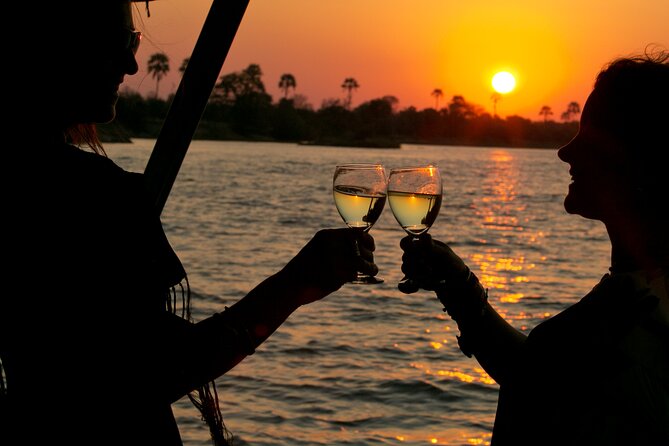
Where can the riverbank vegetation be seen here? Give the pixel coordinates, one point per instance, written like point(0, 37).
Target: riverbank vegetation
point(239, 108)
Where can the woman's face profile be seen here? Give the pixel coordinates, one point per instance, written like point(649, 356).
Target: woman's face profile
point(92, 82)
point(601, 185)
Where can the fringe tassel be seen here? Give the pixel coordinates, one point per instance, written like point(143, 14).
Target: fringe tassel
point(3, 382)
point(206, 402)
point(205, 399)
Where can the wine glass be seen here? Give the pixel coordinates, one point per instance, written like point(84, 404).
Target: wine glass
point(360, 193)
point(414, 195)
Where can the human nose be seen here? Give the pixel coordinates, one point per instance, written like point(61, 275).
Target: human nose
point(131, 66)
point(564, 152)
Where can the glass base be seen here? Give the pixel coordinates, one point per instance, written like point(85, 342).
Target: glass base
point(366, 280)
point(407, 286)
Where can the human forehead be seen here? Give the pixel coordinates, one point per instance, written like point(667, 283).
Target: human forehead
point(595, 129)
point(600, 111)
point(593, 109)
point(114, 13)
point(96, 14)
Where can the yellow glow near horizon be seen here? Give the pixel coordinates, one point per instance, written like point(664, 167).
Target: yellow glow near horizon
point(455, 46)
point(503, 82)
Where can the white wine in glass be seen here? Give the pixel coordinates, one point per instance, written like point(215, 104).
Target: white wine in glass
point(359, 192)
point(414, 196)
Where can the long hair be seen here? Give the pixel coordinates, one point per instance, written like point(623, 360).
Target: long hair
point(85, 135)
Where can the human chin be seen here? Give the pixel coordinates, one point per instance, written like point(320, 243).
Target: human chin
point(570, 204)
point(573, 201)
point(577, 204)
point(103, 112)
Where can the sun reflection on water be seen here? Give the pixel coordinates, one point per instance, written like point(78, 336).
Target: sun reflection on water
point(476, 375)
point(483, 440)
point(502, 269)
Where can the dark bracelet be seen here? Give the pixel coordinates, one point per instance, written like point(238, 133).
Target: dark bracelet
point(463, 299)
point(468, 339)
point(242, 336)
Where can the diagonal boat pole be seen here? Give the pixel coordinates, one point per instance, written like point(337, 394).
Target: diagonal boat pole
point(191, 98)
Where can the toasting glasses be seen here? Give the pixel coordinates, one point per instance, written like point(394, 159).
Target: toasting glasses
point(360, 193)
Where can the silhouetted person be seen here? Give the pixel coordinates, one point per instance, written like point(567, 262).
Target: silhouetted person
point(95, 337)
point(598, 372)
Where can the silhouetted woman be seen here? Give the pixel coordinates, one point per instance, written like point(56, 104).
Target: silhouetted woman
point(96, 341)
point(598, 372)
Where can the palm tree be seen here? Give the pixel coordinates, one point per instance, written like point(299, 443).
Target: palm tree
point(545, 112)
point(158, 66)
point(349, 85)
point(496, 96)
point(252, 79)
point(286, 83)
point(184, 64)
point(437, 93)
point(572, 109)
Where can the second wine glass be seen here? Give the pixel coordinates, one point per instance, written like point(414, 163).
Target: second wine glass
point(360, 194)
point(414, 196)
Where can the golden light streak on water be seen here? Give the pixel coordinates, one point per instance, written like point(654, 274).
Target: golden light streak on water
point(513, 298)
point(447, 439)
point(522, 315)
point(483, 440)
point(509, 264)
point(501, 156)
point(478, 375)
point(485, 378)
point(495, 282)
point(461, 376)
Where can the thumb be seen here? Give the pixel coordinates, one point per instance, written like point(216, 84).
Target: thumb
point(408, 286)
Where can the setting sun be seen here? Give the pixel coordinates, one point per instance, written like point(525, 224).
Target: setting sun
point(456, 47)
point(503, 82)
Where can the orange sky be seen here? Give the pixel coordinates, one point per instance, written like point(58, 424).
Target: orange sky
point(407, 48)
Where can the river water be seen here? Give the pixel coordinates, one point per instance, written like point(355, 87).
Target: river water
point(368, 365)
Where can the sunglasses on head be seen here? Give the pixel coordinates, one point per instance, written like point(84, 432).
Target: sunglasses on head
point(120, 40)
point(131, 40)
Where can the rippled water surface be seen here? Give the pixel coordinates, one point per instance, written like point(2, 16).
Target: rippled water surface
point(368, 365)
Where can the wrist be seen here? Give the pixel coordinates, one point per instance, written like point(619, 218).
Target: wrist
point(465, 300)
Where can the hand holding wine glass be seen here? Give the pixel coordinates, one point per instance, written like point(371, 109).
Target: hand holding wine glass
point(360, 194)
point(414, 195)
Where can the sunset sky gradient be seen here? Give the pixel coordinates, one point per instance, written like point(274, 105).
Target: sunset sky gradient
point(406, 49)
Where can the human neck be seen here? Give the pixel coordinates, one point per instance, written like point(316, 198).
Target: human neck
point(638, 250)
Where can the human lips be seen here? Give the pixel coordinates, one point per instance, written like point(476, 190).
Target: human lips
point(114, 87)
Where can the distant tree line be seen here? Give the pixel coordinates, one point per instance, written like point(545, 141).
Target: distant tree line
point(239, 108)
